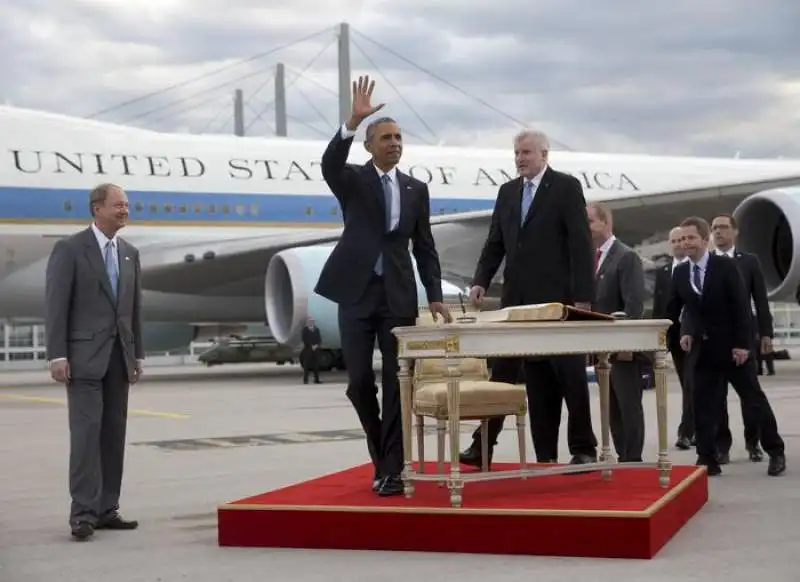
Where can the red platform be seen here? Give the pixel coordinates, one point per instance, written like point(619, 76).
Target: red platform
point(628, 516)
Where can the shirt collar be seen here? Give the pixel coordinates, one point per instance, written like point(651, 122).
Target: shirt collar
point(676, 262)
point(703, 262)
point(607, 245)
point(102, 239)
point(391, 173)
point(731, 252)
point(537, 178)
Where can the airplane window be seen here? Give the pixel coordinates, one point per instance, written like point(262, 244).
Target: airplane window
point(154, 208)
point(182, 209)
point(139, 207)
point(167, 208)
point(240, 209)
point(225, 209)
point(334, 210)
point(309, 210)
point(198, 208)
point(68, 206)
point(212, 208)
point(254, 209)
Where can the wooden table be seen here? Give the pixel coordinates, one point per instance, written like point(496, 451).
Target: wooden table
point(523, 339)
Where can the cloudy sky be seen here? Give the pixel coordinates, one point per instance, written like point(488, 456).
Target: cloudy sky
point(715, 77)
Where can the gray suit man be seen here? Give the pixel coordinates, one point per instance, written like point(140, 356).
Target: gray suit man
point(619, 286)
point(94, 344)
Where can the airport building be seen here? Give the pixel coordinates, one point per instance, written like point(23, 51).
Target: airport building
point(23, 346)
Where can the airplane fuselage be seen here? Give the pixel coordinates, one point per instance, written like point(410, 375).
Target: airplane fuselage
point(187, 187)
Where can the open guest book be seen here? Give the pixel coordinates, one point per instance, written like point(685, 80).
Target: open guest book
point(540, 312)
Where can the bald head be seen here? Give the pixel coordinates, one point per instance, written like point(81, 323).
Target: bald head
point(676, 242)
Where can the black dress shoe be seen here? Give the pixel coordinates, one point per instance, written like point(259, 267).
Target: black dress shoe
point(724, 458)
point(712, 467)
point(777, 465)
point(391, 485)
point(472, 457)
point(115, 521)
point(582, 459)
point(755, 453)
point(693, 441)
point(377, 481)
point(82, 531)
point(683, 444)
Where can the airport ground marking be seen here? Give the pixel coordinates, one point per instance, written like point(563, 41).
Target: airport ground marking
point(63, 402)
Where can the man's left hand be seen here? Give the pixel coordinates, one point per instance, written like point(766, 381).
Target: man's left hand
point(137, 373)
point(438, 308)
point(766, 344)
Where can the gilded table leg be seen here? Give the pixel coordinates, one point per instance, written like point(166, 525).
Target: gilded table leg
point(455, 484)
point(664, 465)
point(602, 368)
point(406, 394)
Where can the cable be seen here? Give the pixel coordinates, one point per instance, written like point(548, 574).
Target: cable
point(444, 81)
point(196, 94)
point(212, 99)
point(308, 125)
point(211, 73)
point(395, 89)
point(292, 82)
point(225, 107)
point(315, 108)
point(313, 80)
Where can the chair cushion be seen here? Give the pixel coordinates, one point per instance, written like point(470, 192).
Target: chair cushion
point(478, 399)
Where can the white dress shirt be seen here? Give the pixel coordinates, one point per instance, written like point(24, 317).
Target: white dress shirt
point(103, 240)
point(604, 248)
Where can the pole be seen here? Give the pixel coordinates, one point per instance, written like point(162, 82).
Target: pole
point(344, 73)
point(280, 101)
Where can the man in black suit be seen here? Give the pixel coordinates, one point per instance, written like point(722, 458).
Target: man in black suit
point(619, 284)
point(716, 331)
point(540, 227)
point(369, 273)
point(661, 295)
point(312, 339)
point(724, 230)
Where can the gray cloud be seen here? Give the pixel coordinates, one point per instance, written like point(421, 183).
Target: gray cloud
point(709, 78)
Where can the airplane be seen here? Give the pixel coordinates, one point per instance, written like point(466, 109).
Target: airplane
point(233, 231)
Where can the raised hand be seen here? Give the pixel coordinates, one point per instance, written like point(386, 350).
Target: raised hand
point(362, 99)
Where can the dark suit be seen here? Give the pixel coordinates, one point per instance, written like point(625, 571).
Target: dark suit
point(371, 305)
point(308, 356)
point(99, 332)
point(548, 257)
point(719, 320)
point(661, 297)
point(753, 278)
point(620, 287)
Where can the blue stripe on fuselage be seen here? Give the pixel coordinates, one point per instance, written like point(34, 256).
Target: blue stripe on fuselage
point(66, 205)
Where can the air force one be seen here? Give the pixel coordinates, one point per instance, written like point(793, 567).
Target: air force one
point(233, 231)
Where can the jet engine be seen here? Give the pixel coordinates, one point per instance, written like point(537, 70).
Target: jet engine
point(769, 227)
point(290, 299)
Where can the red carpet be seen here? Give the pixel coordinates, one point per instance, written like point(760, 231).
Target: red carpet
point(630, 516)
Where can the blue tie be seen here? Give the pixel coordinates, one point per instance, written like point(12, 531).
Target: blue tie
point(111, 267)
point(387, 199)
point(697, 282)
point(527, 198)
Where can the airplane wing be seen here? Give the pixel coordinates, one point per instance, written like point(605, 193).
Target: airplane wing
point(236, 267)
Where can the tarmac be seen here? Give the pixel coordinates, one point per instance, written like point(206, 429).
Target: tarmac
point(199, 437)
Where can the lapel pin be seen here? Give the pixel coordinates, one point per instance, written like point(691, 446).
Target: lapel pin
point(127, 258)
